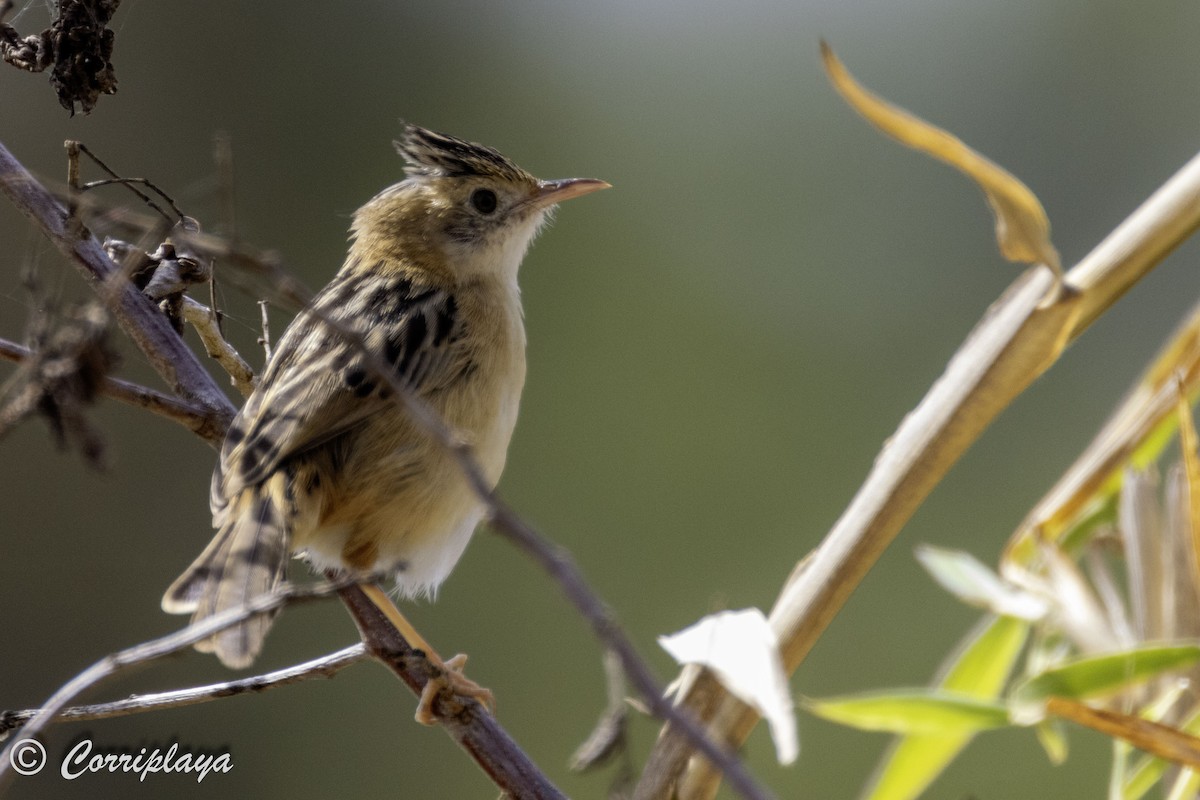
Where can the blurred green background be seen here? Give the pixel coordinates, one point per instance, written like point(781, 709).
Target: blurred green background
point(717, 347)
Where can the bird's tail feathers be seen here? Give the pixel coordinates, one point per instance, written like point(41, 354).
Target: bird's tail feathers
point(246, 558)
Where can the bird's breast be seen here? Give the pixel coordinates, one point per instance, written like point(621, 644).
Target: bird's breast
point(486, 411)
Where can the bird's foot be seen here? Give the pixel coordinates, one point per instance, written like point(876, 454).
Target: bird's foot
point(452, 681)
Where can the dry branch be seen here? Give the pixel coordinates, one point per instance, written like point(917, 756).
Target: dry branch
point(192, 416)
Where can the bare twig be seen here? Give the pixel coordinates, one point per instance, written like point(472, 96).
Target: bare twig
point(155, 649)
point(608, 736)
point(74, 148)
point(265, 339)
point(323, 667)
point(223, 157)
point(190, 415)
point(206, 323)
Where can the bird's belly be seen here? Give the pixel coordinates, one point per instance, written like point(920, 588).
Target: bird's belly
point(407, 509)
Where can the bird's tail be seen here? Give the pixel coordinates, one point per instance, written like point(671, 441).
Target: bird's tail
point(246, 558)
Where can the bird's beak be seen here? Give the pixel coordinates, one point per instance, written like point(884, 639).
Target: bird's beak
point(550, 192)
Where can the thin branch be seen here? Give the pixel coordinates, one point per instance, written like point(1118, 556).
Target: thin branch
point(208, 326)
point(265, 339)
point(155, 649)
point(137, 315)
point(77, 147)
point(323, 667)
point(609, 734)
point(192, 416)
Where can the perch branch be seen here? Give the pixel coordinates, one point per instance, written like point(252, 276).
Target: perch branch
point(207, 325)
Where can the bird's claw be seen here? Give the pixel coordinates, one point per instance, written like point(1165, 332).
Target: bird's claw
point(453, 681)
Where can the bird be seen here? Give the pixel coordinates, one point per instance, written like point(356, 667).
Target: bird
point(323, 460)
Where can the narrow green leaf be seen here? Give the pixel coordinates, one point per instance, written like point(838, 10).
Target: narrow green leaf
point(980, 669)
point(1097, 676)
point(1186, 787)
point(985, 658)
point(1052, 736)
point(976, 584)
point(913, 711)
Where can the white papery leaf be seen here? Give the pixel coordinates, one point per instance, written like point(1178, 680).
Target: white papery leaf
point(742, 650)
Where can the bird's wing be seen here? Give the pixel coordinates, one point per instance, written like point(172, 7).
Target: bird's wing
point(320, 382)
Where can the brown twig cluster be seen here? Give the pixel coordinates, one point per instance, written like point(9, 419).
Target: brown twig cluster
point(64, 369)
point(76, 48)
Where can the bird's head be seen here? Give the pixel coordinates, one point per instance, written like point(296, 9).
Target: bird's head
point(463, 210)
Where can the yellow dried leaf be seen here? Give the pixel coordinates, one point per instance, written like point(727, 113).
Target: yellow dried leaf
point(1022, 229)
point(1153, 737)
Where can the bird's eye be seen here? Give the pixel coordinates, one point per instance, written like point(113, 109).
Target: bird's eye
point(484, 200)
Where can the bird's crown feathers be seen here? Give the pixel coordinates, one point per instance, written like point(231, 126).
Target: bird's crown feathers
point(430, 154)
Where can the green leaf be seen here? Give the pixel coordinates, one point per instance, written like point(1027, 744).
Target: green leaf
point(980, 669)
point(974, 583)
point(1052, 736)
point(1097, 676)
point(913, 711)
point(1186, 785)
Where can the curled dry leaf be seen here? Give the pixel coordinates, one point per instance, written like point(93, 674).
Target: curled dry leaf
point(1022, 228)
